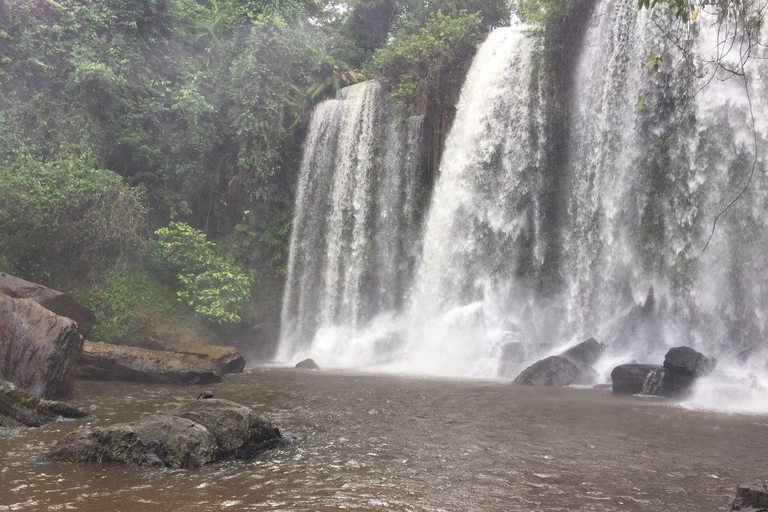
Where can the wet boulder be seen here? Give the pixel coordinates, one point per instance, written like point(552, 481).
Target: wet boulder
point(752, 497)
point(39, 348)
point(687, 361)
point(19, 408)
point(52, 300)
point(104, 361)
point(557, 371)
point(307, 364)
point(157, 440)
point(514, 354)
point(239, 432)
point(587, 352)
point(630, 378)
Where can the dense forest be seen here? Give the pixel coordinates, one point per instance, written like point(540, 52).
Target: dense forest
point(149, 148)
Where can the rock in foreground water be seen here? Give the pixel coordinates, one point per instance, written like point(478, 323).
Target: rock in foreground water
point(240, 433)
point(587, 352)
point(54, 301)
point(39, 348)
point(193, 435)
point(104, 361)
point(630, 378)
point(19, 408)
point(156, 440)
point(308, 364)
point(557, 371)
point(751, 497)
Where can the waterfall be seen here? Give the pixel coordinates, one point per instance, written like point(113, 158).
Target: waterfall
point(483, 228)
point(653, 153)
point(355, 226)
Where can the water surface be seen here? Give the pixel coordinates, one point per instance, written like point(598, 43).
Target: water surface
point(383, 442)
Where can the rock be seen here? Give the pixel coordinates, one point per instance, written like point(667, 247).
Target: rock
point(164, 335)
point(516, 353)
point(39, 348)
point(682, 366)
point(104, 361)
point(239, 432)
point(193, 435)
point(19, 408)
point(307, 364)
point(157, 440)
point(752, 497)
point(630, 378)
point(52, 300)
point(587, 352)
point(688, 361)
point(557, 371)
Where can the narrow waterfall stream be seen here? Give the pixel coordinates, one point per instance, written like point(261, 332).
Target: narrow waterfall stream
point(354, 240)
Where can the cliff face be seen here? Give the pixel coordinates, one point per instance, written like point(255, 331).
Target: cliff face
point(38, 349)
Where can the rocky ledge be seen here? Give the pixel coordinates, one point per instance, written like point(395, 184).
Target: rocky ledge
point(194, 435)
point(19, 408)
point(104, 361)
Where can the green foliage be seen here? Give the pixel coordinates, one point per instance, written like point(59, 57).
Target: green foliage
point(418, 57)
point(214, 287)
point(126, 293)
point(66, 214)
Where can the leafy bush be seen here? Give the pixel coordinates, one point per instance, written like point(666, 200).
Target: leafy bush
point(215, 288)
point(66, 214)
point(126, 293)
point(414, 62)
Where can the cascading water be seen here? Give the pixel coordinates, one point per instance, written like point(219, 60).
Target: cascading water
point(653, 155)
point(484, 221)
point(355, 227)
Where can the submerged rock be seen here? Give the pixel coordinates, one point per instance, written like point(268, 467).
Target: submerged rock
point(19, 408)
point(752, 497)
point(587, 352)
point(156, 440)
point(39, 348)
point(190, 436)
point(104, 361)
point(557, 371)
point(57, 302)
point(308, 364)
point(239, 432)
point(630, 378)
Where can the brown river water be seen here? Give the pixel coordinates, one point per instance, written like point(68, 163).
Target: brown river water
point(383, 442)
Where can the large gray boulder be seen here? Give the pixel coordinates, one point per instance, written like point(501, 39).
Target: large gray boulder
point(685, 360)
point(587, 352)
point(157, 440)
point(52, 300)
point(19, 408)
point(557, 371)
point(38, 349)
point(752, 497)
point(190, 436)
point(630, 378)
point(104, 361)
point(239, 432)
